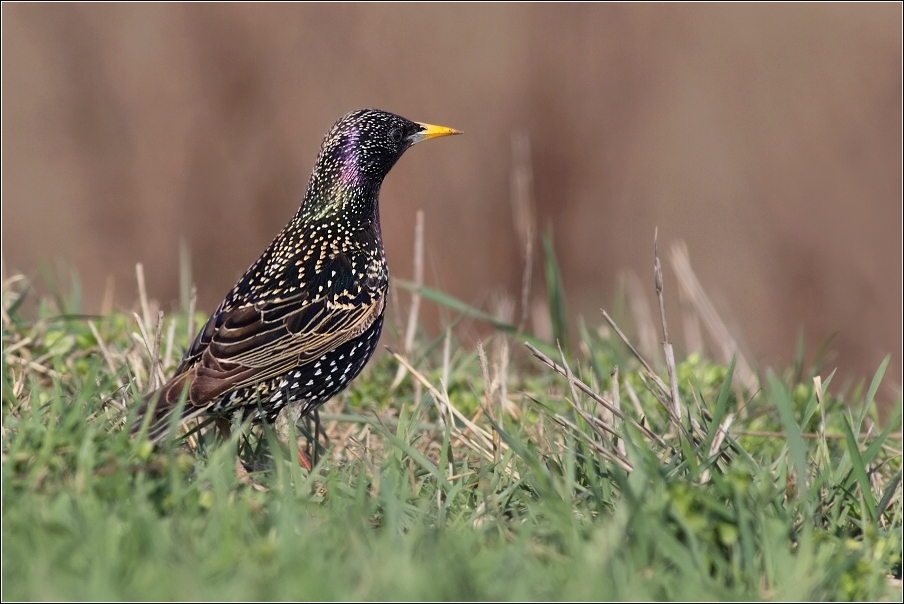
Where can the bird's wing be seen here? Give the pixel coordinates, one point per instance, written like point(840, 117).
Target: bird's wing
point(253, 342)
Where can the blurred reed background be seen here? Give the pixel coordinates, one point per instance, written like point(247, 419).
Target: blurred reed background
point(766, 137)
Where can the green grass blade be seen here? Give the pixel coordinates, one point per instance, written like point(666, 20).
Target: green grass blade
point(416, 456)
point(796, 448)
point(859, 469)
point(555, 291)
point(888, 494)
point(720, 410)
point(871, 393)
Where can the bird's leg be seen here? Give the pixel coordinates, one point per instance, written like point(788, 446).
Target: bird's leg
point(224, 429)
point(304, 458)
point(289, 415)
point(304, 461)
point(317, 425)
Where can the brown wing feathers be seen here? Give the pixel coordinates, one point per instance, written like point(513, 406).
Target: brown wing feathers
point(255, 343)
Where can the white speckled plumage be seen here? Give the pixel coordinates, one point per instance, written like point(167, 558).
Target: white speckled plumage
point(313, 301)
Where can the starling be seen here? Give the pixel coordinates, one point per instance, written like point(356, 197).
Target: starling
point(305, 318)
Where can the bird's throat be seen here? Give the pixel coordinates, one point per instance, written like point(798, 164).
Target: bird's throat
point(354, 204)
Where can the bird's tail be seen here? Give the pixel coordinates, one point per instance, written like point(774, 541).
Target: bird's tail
point(158, 407)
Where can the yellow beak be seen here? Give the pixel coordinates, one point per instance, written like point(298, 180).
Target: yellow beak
point(431, 131)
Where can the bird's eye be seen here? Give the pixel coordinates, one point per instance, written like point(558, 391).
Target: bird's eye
point(396, 135)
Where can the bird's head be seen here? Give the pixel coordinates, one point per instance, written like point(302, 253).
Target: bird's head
point(365, 144)
point(358, 152)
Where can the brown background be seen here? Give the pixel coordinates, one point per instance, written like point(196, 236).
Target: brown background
point(767, 137)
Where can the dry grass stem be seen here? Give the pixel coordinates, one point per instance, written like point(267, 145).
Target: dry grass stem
point(488, 402)
point(595, 396)
point(137, 364)
point(35, 366)
point(716, 445)
point(666, 342)
point(728, 347)
point(599, 427)
point(23, 343)
point(690, 322)
point(9, 296)
point(576, 400)
point(447, 353)
point(523, 214)
point(639, 306)
point(501, 370)
point(616, 402)
point(105, 352)
point(170, 336)
point(143, 296)
point(414, 309)
point(156, 377)
point(484, 444)
point(621, 335)
point(106, 305)
point(613, 457)
point(144, 339)
point(142, 336)
point(614, 395)
point(817, 386)
point(192, 302)
point(635, 401)
point(658, 388)
point(828, 435)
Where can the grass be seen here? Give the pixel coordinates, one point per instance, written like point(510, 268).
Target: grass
point(450, 473)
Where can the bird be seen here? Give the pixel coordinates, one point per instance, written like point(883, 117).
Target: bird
point(305, 318)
